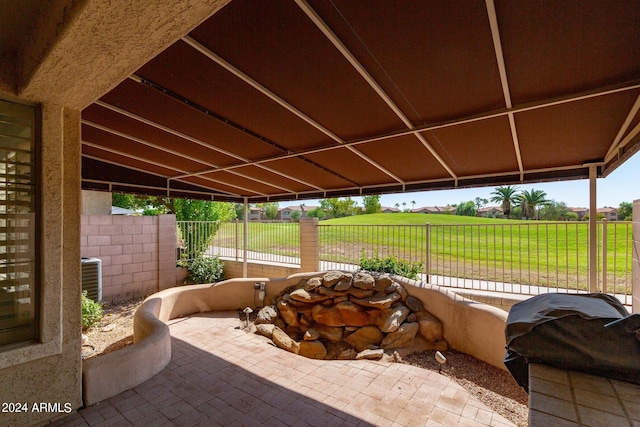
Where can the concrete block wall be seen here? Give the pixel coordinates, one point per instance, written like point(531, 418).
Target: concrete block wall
point(138, 254)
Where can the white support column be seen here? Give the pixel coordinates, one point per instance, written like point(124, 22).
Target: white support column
point(245, 238)
point(593, 231)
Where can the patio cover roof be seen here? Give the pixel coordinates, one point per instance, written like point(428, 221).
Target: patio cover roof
point(311, 99)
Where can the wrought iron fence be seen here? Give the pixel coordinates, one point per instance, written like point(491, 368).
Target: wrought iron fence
point(524, 258)
point(531, 258)
point(341, 246)
point(268, 241)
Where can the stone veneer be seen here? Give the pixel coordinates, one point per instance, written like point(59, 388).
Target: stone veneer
point(346, 316)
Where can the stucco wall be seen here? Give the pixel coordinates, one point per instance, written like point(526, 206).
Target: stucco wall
point(50, 371)
point(96, 203)
point(233, 269)
point(635, 269)
point(72, 54)
point(138, 253)
point(471, 327)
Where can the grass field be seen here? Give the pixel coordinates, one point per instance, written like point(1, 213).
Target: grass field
point(526, 252)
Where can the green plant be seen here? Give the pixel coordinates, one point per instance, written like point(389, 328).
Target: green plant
point(196, 237)
point(295, 215)
point(392, 265)
point(91, 311)
point(316, 213)
point(198, 222)
point(204, 270)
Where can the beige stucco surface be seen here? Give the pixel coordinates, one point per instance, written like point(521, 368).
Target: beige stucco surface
point(50, 371)
point(70, 54)
point(96, 203)
point(115, 372)
point(82, 49)
point(470, 327)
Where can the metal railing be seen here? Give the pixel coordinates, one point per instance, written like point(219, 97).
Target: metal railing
point(341, 246)
point(523, 258)
point(268, 241)
point(531, 258)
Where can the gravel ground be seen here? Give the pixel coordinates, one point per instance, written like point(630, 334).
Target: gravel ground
point(494, 387)
point(114, 331)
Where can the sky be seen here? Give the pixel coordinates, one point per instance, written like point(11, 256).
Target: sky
point(622, 185)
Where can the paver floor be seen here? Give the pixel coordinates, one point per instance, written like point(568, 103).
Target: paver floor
point(220, 375)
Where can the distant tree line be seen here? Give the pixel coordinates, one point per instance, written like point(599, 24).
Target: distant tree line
point(514, 204)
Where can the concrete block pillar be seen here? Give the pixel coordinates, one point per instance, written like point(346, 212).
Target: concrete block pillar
point(309, 245)
point(635, 269)
point(167, 271)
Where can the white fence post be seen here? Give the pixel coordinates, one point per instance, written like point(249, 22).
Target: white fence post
point(427, 265)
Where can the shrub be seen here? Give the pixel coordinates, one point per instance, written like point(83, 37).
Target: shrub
point(316, 213)
point(204, 270)
point(391, 265)
point(91, 311)
point(295, 215)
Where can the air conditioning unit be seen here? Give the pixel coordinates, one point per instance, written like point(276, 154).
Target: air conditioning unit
point(92, 278)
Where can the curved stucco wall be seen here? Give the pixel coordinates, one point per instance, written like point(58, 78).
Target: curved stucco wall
point(113, 373)
point(470, 327)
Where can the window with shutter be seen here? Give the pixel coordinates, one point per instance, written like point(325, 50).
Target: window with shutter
point(18, 222)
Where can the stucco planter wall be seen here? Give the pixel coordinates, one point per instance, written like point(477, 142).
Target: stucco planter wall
point(471, 327)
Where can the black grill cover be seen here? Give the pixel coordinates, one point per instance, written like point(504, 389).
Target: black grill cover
point(568, 331)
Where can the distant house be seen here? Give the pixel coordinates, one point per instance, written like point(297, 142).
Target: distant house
point(386, 209)
point(434, 209)
point(490, 211)
point(611, 214)
point(284, 214)
point(581, 212)
point(115, 210)
point(256, 214)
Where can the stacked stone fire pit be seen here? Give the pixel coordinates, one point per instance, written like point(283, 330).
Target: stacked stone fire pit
point(350, 316)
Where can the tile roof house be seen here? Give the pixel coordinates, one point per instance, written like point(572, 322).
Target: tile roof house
point(490, 211)
point(434, 209)
point(284, 214)
point(611, 214)
point(387, 209)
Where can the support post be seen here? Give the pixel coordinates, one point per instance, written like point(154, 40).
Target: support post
point(309, 245)
point(635, 258)
point(593, 231)
point(427, 265)
point(245, 237)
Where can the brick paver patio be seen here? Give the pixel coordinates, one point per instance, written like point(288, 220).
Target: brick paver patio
point(221, 376)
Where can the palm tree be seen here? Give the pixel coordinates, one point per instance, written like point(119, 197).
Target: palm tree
point(397, 205)
point(480, 202)
point(530, 200)
point(404, 206)
point(505, 195)
point(413, 204)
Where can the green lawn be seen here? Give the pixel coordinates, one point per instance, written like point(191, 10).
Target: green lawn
point(404, 218)
point(526, 252)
